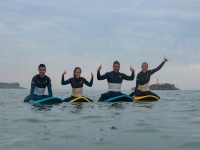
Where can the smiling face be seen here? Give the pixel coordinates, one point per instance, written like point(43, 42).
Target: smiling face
point(77, 73)
point(42, 71)
point(144, 67)
point(116, 67)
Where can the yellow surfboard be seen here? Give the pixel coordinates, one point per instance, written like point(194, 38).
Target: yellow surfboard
point(148, 98)
point(80, 99)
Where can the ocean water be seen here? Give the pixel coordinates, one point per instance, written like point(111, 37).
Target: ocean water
point(171, 123)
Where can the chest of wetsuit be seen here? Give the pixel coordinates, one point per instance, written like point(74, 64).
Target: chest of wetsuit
point(144, 77)
point(114, 79)
point(77, 82)
point(40, 84)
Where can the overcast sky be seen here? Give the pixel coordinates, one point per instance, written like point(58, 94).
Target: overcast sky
point(64, 34)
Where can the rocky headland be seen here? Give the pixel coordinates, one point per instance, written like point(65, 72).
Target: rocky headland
point(165, 86)
point(10, 86)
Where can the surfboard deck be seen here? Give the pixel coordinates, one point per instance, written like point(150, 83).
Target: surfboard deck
point(121, 98)
point(147, 98)
point(80, 99)
point(50, 100)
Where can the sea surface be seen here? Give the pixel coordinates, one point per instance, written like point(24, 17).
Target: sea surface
point(172, 123)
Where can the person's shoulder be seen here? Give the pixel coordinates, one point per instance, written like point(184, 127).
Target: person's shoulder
point(111, 72)
point(139, 73)
point(120, 73)
point(35, 76)
point(47, 77)
point(82, 79)
point(70, 79)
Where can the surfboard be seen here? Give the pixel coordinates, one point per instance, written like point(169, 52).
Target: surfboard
point(121, 98)
point(147, 98)
point(80, 99)
point(50, 100)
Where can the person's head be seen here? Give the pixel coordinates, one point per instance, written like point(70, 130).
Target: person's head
point(42, 70)
point(144, 67)
point(116, 66)
point(77, 72)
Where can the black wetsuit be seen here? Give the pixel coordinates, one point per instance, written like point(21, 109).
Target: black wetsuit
point(114, 82)
point(77, 83)
point(144, 78)
point(38, 86)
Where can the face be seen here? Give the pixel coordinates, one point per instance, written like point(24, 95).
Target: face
point(116, 67)
point(78, 73)
point(42, 71)
point(144, 67)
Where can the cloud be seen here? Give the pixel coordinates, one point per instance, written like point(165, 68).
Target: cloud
point(65, 34)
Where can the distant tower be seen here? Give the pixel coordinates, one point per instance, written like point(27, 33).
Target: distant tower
point(157, 82)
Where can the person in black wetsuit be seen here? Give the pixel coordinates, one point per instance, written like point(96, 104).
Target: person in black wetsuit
point(143, 78)
point(38, 85)
point(114, 79)
point(76, 84)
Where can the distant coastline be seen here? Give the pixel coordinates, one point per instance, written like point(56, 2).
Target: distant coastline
point(10, 86)
point(165, 86)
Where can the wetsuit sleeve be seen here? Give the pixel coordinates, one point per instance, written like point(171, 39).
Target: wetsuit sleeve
point(63, 82)
point(103, 77)
point(49, 90)
point(32, 87)
point(137, 83)
point(125, 77)
point(158, 68)
point(31, 92)
point(89, 83)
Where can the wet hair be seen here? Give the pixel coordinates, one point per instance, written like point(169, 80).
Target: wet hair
point(41, 65)
point(116, 62)
point(144, 63)
point(75, 75)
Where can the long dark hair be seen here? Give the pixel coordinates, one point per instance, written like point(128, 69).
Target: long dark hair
point(74, 75)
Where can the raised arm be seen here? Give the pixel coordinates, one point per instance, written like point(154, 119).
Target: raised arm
point(91, 81)
point(160, 66)
point(99, 77)
point(63, 82)
point(125, 77)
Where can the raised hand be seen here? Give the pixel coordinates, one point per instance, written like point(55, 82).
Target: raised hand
point(64, 72)
point(165, 59)
point(99, 67)
point(131, 69)
point(92, 75)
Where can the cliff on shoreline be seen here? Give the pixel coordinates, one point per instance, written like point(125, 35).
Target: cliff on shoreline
point(10, 86)
point(165, 86)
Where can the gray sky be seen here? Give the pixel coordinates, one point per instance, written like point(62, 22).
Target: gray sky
point(64, 34)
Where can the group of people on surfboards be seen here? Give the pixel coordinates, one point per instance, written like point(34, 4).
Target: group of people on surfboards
point(114, 78)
